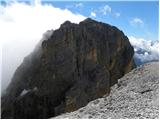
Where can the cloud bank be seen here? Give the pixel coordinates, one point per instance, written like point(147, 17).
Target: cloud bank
point(145, 50)
point(21, 28)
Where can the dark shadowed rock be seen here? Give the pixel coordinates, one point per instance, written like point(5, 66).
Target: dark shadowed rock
point(74, 65)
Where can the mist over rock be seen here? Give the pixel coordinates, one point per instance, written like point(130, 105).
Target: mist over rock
point(71, 66)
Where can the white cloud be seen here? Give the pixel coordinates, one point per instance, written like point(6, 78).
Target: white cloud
point(79, 5)
point(106, 9)
point(117, 14)
point(145, 50)
point(21, 28)
point(93, 14)
point(136, 20)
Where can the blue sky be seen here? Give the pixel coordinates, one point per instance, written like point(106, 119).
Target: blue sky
point(134, 18)
point(139, 19)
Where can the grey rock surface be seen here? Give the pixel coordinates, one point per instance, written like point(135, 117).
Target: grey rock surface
point(136, 95)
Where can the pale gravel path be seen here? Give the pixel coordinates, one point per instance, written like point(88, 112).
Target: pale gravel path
point(135, 96)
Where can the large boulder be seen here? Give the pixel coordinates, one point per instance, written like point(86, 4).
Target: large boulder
point(74, 65)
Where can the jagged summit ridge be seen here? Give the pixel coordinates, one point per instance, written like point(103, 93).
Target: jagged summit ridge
point(72, 66)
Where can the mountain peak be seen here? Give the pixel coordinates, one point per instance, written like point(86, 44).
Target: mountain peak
point(66, 24)
point(89, 20)
point(75, 64)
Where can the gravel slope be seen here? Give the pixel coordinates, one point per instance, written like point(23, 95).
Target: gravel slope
point(135, 96)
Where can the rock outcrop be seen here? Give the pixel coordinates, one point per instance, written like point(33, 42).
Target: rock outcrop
point(135, 96)
point(77, 63)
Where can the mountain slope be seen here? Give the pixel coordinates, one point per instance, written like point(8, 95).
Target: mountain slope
point(134, 96)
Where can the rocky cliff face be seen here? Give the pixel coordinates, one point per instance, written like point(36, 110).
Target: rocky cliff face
point(135, 96)
point(74, 65)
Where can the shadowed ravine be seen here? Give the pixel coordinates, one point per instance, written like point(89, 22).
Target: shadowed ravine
point(77, 63)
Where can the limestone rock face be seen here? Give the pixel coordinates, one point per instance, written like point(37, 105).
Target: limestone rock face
point(77, 63)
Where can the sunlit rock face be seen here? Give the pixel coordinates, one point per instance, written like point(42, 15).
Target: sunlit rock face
point(77, 63)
